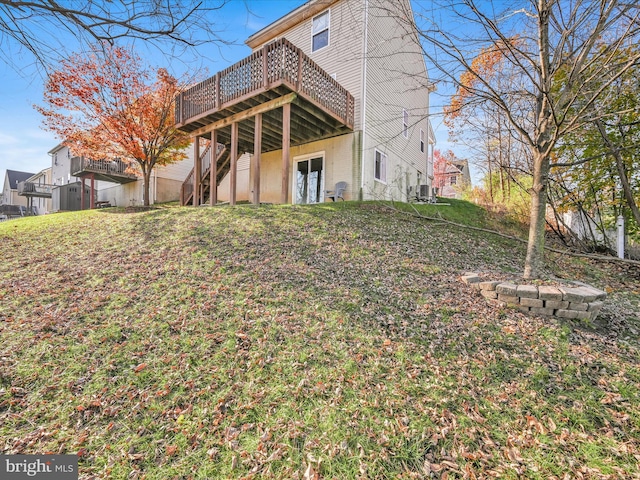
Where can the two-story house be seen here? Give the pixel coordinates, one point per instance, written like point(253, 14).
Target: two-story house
point(37, 190)
point(10, 188)
point(336, 90)
point(451, 177)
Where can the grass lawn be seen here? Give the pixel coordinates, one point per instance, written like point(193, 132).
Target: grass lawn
point(323, 342)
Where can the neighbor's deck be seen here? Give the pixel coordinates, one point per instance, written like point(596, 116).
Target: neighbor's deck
point(115, 171)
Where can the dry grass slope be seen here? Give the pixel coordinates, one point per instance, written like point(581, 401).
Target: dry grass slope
point(324, 342)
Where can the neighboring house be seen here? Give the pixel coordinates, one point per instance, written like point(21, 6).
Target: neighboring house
point(336, 90)
point(165, 185)
point(61, 166)
point(10, 188)
point(37, 190)
point(111, 182)
point(451, 177)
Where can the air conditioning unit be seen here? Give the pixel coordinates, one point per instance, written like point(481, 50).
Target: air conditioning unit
point(423, 193)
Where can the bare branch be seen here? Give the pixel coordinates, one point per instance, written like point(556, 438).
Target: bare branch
point(37, 25)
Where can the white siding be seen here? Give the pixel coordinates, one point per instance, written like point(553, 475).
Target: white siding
point(396, 80)
point(242, 181)
point(161, 189)
point(178, 170)
point(61, 166)
point(126, 195)
point(6, 191)
point(373, 52)
point(343, 56)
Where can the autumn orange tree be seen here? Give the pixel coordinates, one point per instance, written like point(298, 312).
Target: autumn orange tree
point(536, 43)
point(107, 105)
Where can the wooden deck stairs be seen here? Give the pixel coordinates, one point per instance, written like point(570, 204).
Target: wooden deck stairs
point(223, 164)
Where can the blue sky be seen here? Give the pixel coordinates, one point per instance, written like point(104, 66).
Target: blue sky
point(24, 144)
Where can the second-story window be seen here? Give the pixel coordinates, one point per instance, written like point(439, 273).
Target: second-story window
point(320, 31)
point(421, 141)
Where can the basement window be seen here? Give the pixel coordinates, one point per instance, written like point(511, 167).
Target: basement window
point(320, 31)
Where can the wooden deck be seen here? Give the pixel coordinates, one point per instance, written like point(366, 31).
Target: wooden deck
point(277, 74)
point(115, 171)
point(30, 189)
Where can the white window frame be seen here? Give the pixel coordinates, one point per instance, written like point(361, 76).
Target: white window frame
point(383, 166)
point(328, 29)
point(405, 123)
point(422, 144)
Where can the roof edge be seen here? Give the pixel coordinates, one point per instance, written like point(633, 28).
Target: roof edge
point(58, 147)
point(303, 12)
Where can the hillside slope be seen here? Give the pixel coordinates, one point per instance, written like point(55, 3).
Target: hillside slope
point(332, 341)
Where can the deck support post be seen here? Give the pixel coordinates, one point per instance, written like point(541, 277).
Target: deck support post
point(92, 200)
point(213, 170)
point(196, 171)
point(286, 141)
point(82, 193)
point(255, 160)
point(233, 172)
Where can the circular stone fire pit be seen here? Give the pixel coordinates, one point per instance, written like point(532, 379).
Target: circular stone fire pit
point(575, 301)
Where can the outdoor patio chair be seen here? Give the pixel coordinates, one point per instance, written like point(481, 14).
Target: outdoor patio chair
point(337, 192)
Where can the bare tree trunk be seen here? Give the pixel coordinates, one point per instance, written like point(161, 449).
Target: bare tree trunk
point(501, 159)
point(534, 262)
point(146, 184)
point(490, 173)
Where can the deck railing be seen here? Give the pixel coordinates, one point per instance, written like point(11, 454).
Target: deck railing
point(105, 167)
point(27, 189)
point(276, 63)
point(187, 188)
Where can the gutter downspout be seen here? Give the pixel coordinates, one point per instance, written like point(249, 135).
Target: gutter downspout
point(364, 95)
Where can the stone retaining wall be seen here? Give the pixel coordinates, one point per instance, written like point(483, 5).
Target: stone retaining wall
point(581, 302)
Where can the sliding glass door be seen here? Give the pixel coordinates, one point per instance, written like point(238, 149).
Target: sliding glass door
point(309, 180)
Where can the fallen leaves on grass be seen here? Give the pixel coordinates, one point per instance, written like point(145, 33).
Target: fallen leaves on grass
point(288, 342)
